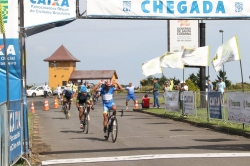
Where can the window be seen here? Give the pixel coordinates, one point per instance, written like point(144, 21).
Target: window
point(64, 83)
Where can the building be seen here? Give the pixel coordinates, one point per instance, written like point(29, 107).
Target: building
point(62, 68)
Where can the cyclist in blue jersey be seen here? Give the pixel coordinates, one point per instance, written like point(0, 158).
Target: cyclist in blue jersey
point(107, 93)
point(67, 97)
point(131, 94)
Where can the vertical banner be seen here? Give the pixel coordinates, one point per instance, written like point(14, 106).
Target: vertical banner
point(214, 105)
point(183, 34)
point(10, 15)
point(188, 101)
point(172, 101)
point(15, 130)
point(238, 107)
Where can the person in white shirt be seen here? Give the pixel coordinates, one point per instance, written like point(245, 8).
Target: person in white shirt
point(59, 91)
point(45, 90)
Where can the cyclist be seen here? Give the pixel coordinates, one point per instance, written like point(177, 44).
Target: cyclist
point(107, 93)
point(67, 97)
point(131, 94)
point(83, 98)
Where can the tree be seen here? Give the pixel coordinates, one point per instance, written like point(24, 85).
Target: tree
point(196, 78)
point(224, 77)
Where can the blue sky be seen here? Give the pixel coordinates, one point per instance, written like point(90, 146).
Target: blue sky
point(123, 45)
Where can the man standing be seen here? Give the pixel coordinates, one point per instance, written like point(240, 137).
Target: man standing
point(45, 90)
point(131, 94)
point(221, 87)
point(209, 86)
point(156, 93)
point(59, 91)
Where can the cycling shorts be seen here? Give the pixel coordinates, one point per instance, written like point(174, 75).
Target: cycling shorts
point(107, 105)
point(69, 99)
point(131, 97)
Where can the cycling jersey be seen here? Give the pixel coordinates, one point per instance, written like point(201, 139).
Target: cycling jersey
point(107, 97)
point(83, 98)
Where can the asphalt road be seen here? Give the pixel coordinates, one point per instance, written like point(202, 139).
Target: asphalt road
point(142, 140)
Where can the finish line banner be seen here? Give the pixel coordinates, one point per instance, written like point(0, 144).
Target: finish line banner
point(175, 9)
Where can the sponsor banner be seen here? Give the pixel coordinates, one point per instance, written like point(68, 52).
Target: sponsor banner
point(40, 12)
point(10, 17)
point(185, 9)
point(238, 107)
point(188, 101)
point(227, 52)
point(172, 101)
point(196, 57)
point(214, 105)
point(151, 67)
point(183, 34)
point(172, 60)
point(15, 130)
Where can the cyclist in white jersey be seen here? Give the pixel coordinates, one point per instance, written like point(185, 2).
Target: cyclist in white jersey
point(107, 93)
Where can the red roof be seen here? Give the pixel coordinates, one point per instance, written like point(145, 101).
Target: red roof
point(92, 74)
point(61, 54)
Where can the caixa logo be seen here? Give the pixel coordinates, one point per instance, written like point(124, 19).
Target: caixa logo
point(181, 7)
point(62, 3)
point(10, 50)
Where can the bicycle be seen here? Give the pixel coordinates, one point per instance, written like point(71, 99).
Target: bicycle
point(85, 121)
point(95, 99)
point(112, 126)
point(65, 108)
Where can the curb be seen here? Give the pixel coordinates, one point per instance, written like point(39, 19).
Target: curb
point(225, 130)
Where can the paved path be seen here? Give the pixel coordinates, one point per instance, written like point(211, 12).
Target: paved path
point(142, 140)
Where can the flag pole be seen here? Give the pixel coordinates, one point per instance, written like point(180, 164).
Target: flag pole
point(241, 77)
point(6, 58)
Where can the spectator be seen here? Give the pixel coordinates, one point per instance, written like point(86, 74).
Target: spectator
point(171, 84)
point(167, 87)
point(145, 101)
point(209, 86)
point(184, 87)
point(221, 87)
point(45, 90)
point(59, 91)
point(156, 93)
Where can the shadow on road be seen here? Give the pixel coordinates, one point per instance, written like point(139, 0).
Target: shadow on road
point(71, 131)
point(180, 130)
point(91, 138)
point(232, 147)
point(214, 140)
point(60, 118)
point(158, 123)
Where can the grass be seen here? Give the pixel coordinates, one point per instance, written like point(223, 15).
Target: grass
point(202, 119)
point(161, 100)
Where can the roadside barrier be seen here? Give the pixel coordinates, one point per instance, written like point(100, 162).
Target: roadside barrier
point(32, 108)
point(46, 105)
point(56, 103)
point(136, 104)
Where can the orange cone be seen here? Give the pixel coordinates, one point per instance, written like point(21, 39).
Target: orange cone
point(32, 108)
point(46, 105)
point(56, 104)
point(136, 104)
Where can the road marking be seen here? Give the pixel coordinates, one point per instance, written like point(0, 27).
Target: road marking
point(143, 157)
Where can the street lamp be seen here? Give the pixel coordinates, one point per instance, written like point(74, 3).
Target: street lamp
point(221, 31)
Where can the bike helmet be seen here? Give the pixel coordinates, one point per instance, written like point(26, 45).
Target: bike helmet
point(83, 89)
point(108, 83)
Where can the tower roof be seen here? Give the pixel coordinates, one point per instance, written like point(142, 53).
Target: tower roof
point(61, 54)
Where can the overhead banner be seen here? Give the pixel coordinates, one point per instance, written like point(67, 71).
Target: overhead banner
point(172, 60)
point(227, 52)
point(40, 12)
point(196, 57)
point(172, 101)
point(214, 105)
point(188, 101)
point(238, 107)
point(184, 9)
point(183, 34)
point(10, 15)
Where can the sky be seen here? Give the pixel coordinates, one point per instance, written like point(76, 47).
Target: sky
point(123, 45)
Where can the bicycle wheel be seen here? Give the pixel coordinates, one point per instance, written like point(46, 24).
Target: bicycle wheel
point(114, 129)
point(66, 112)
point(86, 124)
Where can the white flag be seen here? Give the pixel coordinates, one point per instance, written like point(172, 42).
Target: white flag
point(196, 57)
point(151, 67)
point(227, 52)
point(172, 60)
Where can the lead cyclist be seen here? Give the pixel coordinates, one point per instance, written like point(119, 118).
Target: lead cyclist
point(107, 93)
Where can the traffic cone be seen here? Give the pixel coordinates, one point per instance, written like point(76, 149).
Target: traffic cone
point(56, 104)
point(46, 105)
point(136, 104)
point(32, 108)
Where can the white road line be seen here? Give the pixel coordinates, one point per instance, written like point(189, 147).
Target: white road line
point(143, 157)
